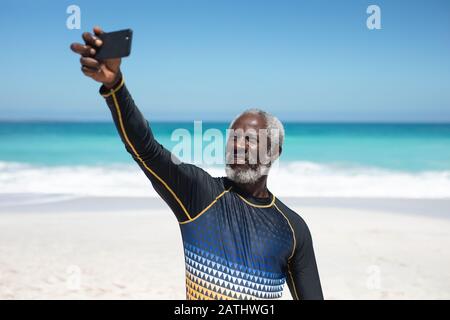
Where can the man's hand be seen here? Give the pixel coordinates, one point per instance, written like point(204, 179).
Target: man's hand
point(105, 71)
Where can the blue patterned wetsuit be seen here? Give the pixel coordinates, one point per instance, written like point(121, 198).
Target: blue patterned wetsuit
point(236, 246)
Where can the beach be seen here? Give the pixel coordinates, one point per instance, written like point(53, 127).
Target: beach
point(55, 247)
point(80, 220)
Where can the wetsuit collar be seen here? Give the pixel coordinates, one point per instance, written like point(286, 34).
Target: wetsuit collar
point(248, 198)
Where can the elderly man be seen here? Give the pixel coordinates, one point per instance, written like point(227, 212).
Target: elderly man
point(240, 241)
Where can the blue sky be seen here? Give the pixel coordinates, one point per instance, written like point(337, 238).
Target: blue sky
point(210, 59)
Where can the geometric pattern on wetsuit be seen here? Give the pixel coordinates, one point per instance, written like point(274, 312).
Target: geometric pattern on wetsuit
point(236, 254)
point(211, 277)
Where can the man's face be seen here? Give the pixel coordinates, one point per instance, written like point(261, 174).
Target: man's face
point(247, 146)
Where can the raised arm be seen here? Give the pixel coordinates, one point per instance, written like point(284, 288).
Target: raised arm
point(186, 188)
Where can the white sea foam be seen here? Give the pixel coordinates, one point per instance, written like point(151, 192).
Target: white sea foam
point(290, 179)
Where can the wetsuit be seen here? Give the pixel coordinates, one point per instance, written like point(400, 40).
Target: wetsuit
point(236, 246)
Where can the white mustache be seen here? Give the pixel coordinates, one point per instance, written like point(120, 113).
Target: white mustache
point(240, 157)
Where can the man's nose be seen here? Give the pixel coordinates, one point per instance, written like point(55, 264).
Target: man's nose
point(240, 144)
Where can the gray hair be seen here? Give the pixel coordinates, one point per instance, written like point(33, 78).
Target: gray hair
point(273, 125)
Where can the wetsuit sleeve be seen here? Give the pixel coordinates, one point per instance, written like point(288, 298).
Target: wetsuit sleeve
point(303, 276)
point(187, 189)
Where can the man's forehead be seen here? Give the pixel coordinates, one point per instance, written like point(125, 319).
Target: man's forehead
point(250, 121)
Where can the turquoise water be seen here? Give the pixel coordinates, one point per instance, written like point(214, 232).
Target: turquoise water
point(404, 147)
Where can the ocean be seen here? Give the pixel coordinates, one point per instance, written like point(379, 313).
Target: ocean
point(318, 159)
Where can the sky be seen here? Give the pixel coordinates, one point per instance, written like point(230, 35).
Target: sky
point(211, 59)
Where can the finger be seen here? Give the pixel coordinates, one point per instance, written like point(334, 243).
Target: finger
point(91, 39)
point(98, 30)
point(90, 62)
point(82, 49)
point(88, 71)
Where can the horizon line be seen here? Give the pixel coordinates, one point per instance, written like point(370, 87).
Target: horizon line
point(305, 121)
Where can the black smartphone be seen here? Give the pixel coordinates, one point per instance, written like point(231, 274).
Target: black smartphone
point(116, 44)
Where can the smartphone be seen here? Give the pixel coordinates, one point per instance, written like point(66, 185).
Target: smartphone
point(116, 44)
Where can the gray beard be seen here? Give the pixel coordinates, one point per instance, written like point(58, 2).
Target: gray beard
point(247, 176)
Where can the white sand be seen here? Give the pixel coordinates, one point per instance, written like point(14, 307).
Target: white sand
point(65, 250)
